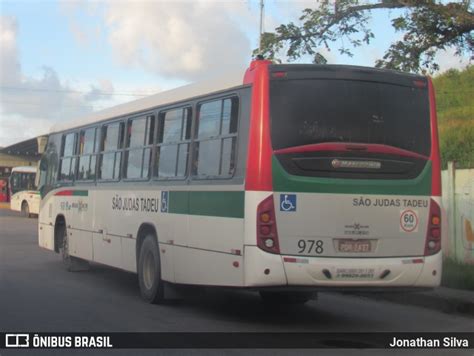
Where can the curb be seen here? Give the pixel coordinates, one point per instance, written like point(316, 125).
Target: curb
point(430, 300)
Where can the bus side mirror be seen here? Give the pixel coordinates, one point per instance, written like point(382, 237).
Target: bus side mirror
point(41, 169)
point(43, 164)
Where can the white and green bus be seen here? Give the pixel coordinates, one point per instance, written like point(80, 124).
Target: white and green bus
point(286, 180)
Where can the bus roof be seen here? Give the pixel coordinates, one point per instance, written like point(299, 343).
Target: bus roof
point(24, 169)
point(221, 82)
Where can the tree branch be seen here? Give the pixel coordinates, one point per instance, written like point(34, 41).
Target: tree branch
point(428, 25)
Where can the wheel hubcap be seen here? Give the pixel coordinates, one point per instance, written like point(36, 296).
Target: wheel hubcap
point(149, 270)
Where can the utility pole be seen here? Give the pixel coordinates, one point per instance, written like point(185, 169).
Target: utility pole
point(262, 9)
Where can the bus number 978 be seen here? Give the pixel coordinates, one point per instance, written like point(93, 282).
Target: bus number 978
point(310, 246)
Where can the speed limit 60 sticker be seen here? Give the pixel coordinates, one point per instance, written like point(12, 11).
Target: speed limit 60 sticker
point(409, 220)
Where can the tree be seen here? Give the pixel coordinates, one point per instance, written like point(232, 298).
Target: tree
point(428, 26)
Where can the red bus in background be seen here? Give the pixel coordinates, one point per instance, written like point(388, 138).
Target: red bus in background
point(4, 196)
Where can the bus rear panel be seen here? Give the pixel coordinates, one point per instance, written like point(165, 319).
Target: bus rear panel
point(355, 196)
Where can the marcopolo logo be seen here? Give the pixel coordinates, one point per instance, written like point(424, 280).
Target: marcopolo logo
point(344, 163)
point(17, 340)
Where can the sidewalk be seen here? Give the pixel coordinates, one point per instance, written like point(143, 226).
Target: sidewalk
point(447, 300)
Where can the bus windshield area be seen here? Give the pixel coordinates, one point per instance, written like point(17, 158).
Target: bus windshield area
point(311, 111)
point(20, 181)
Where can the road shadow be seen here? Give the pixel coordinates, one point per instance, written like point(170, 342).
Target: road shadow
point(223, 304)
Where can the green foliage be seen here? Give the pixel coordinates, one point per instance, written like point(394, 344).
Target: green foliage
point(457, 143)
point(454, 94)
point(457, 275)
point(428, 26)
point(455, 107)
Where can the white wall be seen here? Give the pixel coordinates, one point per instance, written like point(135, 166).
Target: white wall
point(458, 200)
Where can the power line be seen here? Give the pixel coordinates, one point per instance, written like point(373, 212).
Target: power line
point(62, 106)
point(143, 95)
point(74, 91)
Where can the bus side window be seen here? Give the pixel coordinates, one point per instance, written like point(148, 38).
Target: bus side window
point(14, 182)
point(30, 181)
point(110, 157)
point(68, 158)
point(216, 138)
point(88, 156)
point(138, 147)
point(173, 143)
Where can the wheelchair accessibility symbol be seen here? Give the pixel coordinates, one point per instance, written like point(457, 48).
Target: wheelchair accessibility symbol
point(287, 202)
point(164, 202)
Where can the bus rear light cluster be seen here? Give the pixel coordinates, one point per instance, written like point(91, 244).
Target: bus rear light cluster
point(433, 234)
point(267, 236)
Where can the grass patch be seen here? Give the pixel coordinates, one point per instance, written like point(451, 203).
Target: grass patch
point(457, 142)
point(455, 107)
point(457, 275)
point(454, 91)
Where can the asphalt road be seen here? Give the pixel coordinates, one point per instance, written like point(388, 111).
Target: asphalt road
point(37, 294)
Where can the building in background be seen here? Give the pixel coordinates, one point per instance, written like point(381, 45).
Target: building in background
point(25, 153)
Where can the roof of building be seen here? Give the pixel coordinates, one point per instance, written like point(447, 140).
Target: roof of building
point(25, 169)
point(24, 148)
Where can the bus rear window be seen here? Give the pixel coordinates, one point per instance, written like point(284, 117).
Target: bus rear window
point(310, 111)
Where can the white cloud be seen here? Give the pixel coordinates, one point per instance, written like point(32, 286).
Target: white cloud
point(16, 128)
point(180, 39)
point(79, 34)
point(101, 91)
point(185, 39)
point(447, 59)
point(29, 105)
point(9, 65)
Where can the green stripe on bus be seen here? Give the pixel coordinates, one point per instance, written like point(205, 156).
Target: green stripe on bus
point(284, 182)
point(71, 192)
point(207, 203)
point(80, 193)
point(178, 202)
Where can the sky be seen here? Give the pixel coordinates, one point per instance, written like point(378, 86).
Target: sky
point(63, 59)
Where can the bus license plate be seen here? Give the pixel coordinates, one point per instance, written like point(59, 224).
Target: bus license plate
point(354, 246)
point(355, 273)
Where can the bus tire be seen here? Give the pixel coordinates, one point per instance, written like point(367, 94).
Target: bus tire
point(71, 263)
point(25, 210)
point(286, 297)
point(149, 271)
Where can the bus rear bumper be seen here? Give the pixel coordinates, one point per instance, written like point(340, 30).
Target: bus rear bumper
point(423, 271)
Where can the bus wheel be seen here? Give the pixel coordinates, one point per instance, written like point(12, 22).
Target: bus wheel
point(149, 271)
point(286, 297)
point(71, 263)
point(25, 210)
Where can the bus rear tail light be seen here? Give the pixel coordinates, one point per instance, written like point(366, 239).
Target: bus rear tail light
point(267, 236)
point(433, 233)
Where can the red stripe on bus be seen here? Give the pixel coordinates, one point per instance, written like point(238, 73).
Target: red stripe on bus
point(259, 160)
point(346, 147)
point(435, 156)
point(65, 193)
